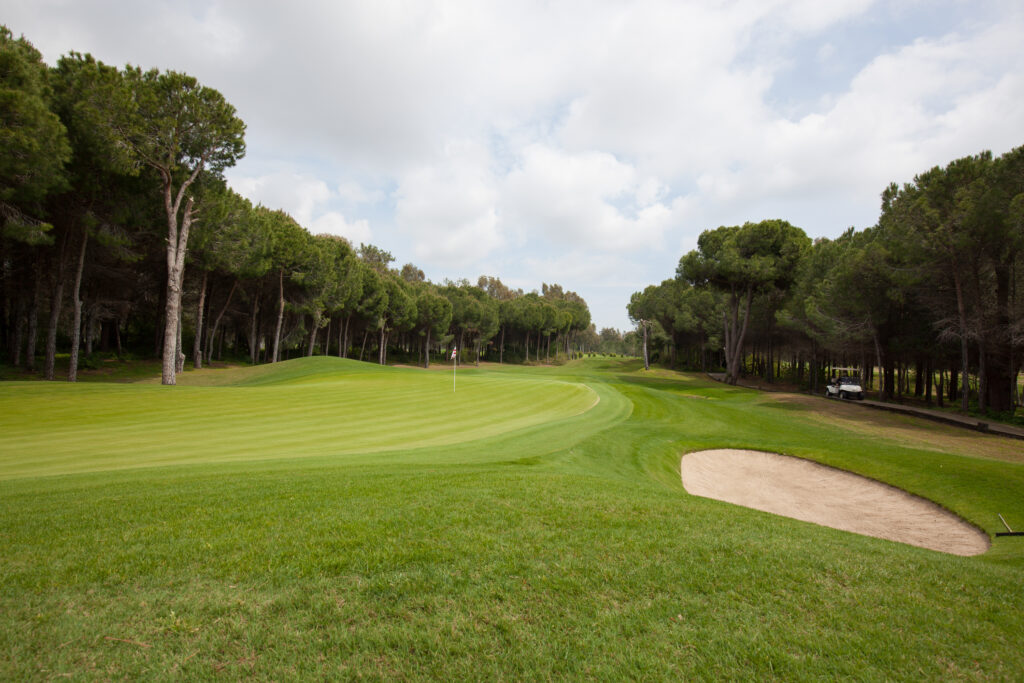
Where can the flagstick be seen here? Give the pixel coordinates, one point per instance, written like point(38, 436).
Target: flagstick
point(455, 367)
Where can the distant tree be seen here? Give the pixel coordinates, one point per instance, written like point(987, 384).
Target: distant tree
point(743, 261)
point(496, 289)
point(434, 315)
point(399, 314)
point(926, 219)
point(411, 273)
point(291, 254)
point(375, 257)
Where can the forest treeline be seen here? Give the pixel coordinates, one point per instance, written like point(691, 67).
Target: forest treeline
point(931, 295)
point(119, 233)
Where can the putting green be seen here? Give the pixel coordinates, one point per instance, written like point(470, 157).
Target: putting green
point(306, 407)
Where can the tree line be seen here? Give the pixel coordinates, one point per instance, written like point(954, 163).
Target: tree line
point(119, 233)
point(931, 295)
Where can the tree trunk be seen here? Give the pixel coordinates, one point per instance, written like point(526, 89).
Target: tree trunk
point(177, 241)
point(20, 315)
point(501, 349)
point(280, 315)
point(197, 345)
point(343, 351)
point(999, 375)
point(647, 362)
point(216, 321)
point(76, 323)
point(736, 336)
point(179, 354)
point(426, 350)
point(88, 327)
point(982, 374)
point(962, 313)
point(33, 322)
point(928, 383)
point(253, 326)
point(878, 359)
point(312, 334)
point(56, 301)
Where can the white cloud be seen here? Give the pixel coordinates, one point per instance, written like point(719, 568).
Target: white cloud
point(298, 194)
point(306, 199)
point(333, 223)
point(588, 198)
point(466, 132)
point(448, 209)
point(353, 193)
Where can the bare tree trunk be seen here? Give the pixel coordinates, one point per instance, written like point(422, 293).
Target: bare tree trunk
point(56, 301)
point(253, 341)
point(179, 355)
point(19, 330)
point(216, 322)
point(736, 337)
point(327, 336)
point(962, 312)
point(381, 349)
point(312, 334)
point(426, 350)
point(647, 362)
point(76, 324)
point(88, 327)
point(362, 349)
point(280, 315)
point(33, 323)
point(177, 241)
point(343, 351)
point(197, 345)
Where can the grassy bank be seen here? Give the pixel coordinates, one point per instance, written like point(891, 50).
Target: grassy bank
point(512, 530)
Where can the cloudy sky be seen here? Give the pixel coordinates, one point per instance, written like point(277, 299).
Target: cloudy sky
point(585, 143)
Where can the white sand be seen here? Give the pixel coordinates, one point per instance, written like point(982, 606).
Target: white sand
point(810, 492)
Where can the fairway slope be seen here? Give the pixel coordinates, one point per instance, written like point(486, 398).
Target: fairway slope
point(324, 407)
point(811, 492)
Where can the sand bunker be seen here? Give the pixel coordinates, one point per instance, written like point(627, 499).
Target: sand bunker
point(823, 495)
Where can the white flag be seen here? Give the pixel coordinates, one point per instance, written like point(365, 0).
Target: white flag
point(454, 351)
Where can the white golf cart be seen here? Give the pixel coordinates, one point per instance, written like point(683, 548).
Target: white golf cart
point(845, 384)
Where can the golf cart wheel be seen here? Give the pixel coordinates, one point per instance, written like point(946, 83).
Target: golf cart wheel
point(842, 395)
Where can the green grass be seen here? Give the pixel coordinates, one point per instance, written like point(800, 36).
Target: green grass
point(324, 519)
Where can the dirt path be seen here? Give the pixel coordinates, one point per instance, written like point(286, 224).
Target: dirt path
point(810, 492)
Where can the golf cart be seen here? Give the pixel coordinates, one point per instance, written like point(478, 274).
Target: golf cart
point(845, 384)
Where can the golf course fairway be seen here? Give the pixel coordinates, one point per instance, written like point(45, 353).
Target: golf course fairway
point(328, 519)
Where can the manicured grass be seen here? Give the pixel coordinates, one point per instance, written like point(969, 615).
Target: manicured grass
point(314, 407)
point(546, 544)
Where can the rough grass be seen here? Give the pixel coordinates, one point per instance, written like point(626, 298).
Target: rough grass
point(563, 547)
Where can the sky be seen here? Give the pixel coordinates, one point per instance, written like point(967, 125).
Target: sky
point(581, 143)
